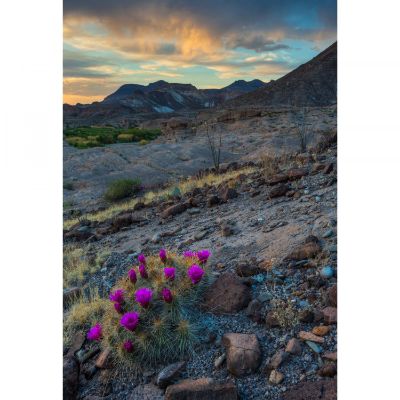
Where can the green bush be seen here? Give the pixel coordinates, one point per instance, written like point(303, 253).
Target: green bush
point(94, 136)
point(121, 189)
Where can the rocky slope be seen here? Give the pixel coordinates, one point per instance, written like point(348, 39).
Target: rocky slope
point(273, 334)
point(312, 84)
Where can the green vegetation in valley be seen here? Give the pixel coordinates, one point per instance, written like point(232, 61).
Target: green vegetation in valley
point(95, 136)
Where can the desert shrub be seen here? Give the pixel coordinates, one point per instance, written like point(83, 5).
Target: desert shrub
point(143, 142)
point(153, 315)
point(68, 186)
point(269, 165)
point(125, 137)
point(121, 189)
point(286, 314)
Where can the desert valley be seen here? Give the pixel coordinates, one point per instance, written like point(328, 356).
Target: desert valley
point(247, 172)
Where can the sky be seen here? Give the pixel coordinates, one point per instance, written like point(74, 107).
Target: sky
point(208, 43)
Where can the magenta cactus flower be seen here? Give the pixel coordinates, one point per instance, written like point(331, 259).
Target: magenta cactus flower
point(188, 254)
point(118, 308)
point(130, 320)
point(195, 273)
point(142, 259)
point(143, 296)
point(94, 332)
point(169, 273)
point(203, 256)
point(167, 295)
point(132, 275)
point(163, 255)
point(128, 346)
point(117, 296)
point(143, 271)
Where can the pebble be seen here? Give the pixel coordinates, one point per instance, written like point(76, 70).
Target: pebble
point(219, 360)
point(308, 336)
point(193, 211)
point(327, 272)
point(276, 377)
point(317, 199)
point(314, 347)
point(156, 238)
point(321, 330)
point(328, 233)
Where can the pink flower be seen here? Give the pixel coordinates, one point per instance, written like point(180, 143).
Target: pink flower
point(143, 296)
point(128, 346)
point(142, 259)
point(132, 275)
point(94, 332)
point(130, 320)
point(117, 296)
point(143, 272)
point(169, 273)
point(195, 273)
point(118, 307)
point(188, 254)
point(203, 255)
point(163, 255)
point(167, 295)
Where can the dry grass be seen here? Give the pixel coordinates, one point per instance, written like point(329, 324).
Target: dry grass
point(76, 265)
point(83, 314)
point(184, 187)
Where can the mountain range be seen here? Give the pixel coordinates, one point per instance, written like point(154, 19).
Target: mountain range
point(311, 84)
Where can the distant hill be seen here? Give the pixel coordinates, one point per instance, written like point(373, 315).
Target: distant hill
point(158, 97)
point(311, 84)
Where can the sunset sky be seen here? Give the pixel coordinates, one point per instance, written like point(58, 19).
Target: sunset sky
point(209, 43)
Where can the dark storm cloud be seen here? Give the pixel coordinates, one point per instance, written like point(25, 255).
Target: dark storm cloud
point(219, 17)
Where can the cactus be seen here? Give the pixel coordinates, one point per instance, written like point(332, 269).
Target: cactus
point(170, 323)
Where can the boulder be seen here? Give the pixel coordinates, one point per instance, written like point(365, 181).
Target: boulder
point(70, 378)
point(321, 390)
point(307, 250)
point(201, 389)
point(243, 353)
point(228, 294)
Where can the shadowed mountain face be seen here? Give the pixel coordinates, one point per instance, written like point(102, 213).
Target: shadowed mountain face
point(312, 84)
point(160, 97)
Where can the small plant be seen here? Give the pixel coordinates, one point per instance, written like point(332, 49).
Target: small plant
point(215, 145)
point(286, 314)
point(121, 189)
point(269, 165)
point(153, 315)
point(302, 127)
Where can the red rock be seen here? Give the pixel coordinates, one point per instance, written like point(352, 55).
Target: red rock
point(330, 355)
point(279, 178)
point(321, 330)
point(228, 294)
point(293, 347)
point(328, 370)
point(228, 194)
point(304, 251)
point(303, 335)
point(243, 353)
point(104, 359)
point(330, 315)
point(201, 389)
point(174, 210)
point(278, 191)
point(297, 173)
point(331, 296)
point(320, 390)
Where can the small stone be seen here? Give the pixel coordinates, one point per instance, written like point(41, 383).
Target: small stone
point(253, 310)
point(226, 230)
point(271, 321)
point(77, 343)
point(278, 190)
point(156, 238)
point(174, 210)
point(305, 251)
point(213, 200)
point(228, 194)
point(328, 370)
point(276, 377)
point(293, 347)
point(330, 315)
point(321, 330)
point(306, 316)
point(168, 374)
point(331, 296)
point(314, 347)
point(219, 361)
point(247, 269)
point(201, 389)
point(330, 355)
point(104, 359)
point(277, 359)
point(327, 272)
point(303, 335)
point(193, 211)
point(328, 233)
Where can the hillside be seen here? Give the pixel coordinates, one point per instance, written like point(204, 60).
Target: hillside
point(311, 84)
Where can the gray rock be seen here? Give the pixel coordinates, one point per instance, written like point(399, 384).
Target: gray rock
point(167, 375)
